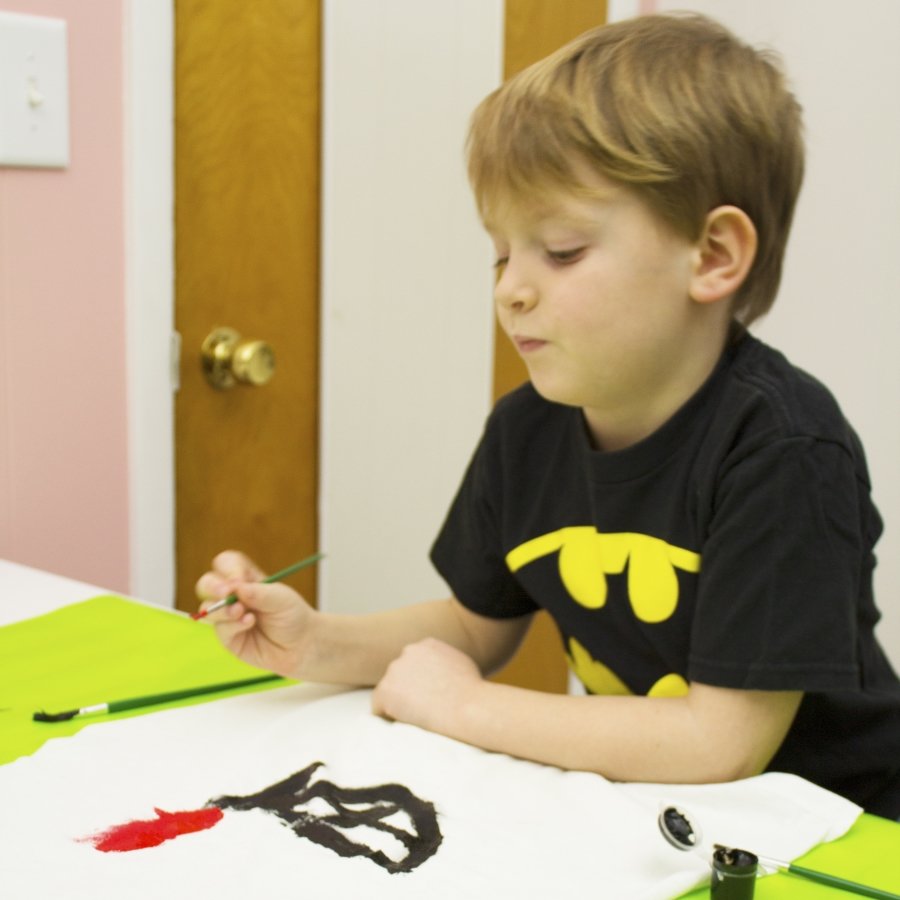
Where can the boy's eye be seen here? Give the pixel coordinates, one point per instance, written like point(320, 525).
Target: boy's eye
point(566, 256)
point(500, 265)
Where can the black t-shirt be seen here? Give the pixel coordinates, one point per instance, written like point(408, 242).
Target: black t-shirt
point(733, 547)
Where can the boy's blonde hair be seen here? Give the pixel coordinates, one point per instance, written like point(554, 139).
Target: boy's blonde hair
point(676, 108)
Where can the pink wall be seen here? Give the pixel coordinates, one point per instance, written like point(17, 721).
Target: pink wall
point(63, 438)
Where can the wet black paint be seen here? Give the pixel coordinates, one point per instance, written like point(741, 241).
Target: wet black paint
point(679, 827)
point(352, 807)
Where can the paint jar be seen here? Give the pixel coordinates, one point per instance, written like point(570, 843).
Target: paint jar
point(733, 874)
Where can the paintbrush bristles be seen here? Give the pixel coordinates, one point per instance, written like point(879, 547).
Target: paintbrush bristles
point(70, 713)
point(55, 717)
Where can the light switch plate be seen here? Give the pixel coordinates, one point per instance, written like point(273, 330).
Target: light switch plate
point(34, 91)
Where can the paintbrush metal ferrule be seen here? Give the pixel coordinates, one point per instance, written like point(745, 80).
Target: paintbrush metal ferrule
point(220, 604)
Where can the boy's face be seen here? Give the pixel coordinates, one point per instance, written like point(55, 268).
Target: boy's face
point(595, 295)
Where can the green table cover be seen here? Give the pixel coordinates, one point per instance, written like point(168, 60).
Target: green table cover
point(102, 649)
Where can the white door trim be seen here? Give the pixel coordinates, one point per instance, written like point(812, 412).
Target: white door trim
point(148, 57)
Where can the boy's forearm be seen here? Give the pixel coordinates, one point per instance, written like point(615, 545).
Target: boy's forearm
point(623, 738)
point(356, 649)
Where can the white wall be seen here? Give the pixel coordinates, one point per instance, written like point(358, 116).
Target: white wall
point(407, 313)
point(838, 312)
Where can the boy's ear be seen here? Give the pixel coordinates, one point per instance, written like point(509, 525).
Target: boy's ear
point(724, 253)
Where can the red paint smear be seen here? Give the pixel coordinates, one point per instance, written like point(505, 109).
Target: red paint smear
point(151, 832)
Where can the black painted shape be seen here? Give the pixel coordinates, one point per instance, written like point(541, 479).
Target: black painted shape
point(382, 801)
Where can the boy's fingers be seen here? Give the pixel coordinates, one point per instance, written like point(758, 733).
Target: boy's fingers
point(265, 597)
point(206, 585)
point(211, 586)
point(235, 566)
point(228, 629)
point(229, 569)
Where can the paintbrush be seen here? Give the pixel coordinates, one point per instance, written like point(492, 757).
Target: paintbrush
point(148, 700)
point(232, 598)
point(843, 884)
point(853, 887)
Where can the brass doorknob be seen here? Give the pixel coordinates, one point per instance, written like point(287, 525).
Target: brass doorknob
point(228, 358)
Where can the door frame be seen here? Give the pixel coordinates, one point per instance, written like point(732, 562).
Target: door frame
point(148, 48)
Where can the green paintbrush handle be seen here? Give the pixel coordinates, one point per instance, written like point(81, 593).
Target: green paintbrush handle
point(153, 699)
point(842, 883)
point(232, 598)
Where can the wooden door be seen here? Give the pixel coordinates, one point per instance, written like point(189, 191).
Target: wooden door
point(247, 186)
point(246, 253)
point(534, 28)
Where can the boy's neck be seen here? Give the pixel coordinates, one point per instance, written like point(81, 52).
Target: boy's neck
point(612, 430)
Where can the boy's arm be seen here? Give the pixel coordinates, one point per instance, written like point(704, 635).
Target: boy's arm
point(711, 734)
point(357, 649)
point(273, 628)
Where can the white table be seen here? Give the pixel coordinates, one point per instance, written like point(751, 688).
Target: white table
point(27, 592)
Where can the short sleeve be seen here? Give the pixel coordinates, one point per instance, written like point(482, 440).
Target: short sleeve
point(468, 552)
point(781, 572)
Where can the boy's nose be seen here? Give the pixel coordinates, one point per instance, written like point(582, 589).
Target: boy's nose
point(514, 292)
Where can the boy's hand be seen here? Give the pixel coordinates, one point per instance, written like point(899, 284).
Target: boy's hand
point(426, 685)
point(268, 625)
point(229, 567)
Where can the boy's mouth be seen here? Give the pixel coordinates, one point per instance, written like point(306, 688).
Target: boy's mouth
point(526, 344)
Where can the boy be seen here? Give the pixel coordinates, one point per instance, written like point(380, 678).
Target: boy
point(692, 511)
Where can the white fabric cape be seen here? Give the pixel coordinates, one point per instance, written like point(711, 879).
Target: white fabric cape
point(510, 828)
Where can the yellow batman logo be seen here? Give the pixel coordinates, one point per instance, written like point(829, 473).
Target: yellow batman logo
point(600, 679)
point(586, 557)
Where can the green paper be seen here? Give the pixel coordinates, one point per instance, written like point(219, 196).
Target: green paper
point(104, 649)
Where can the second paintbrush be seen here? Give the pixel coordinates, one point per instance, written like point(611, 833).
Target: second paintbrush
point(231, 598)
